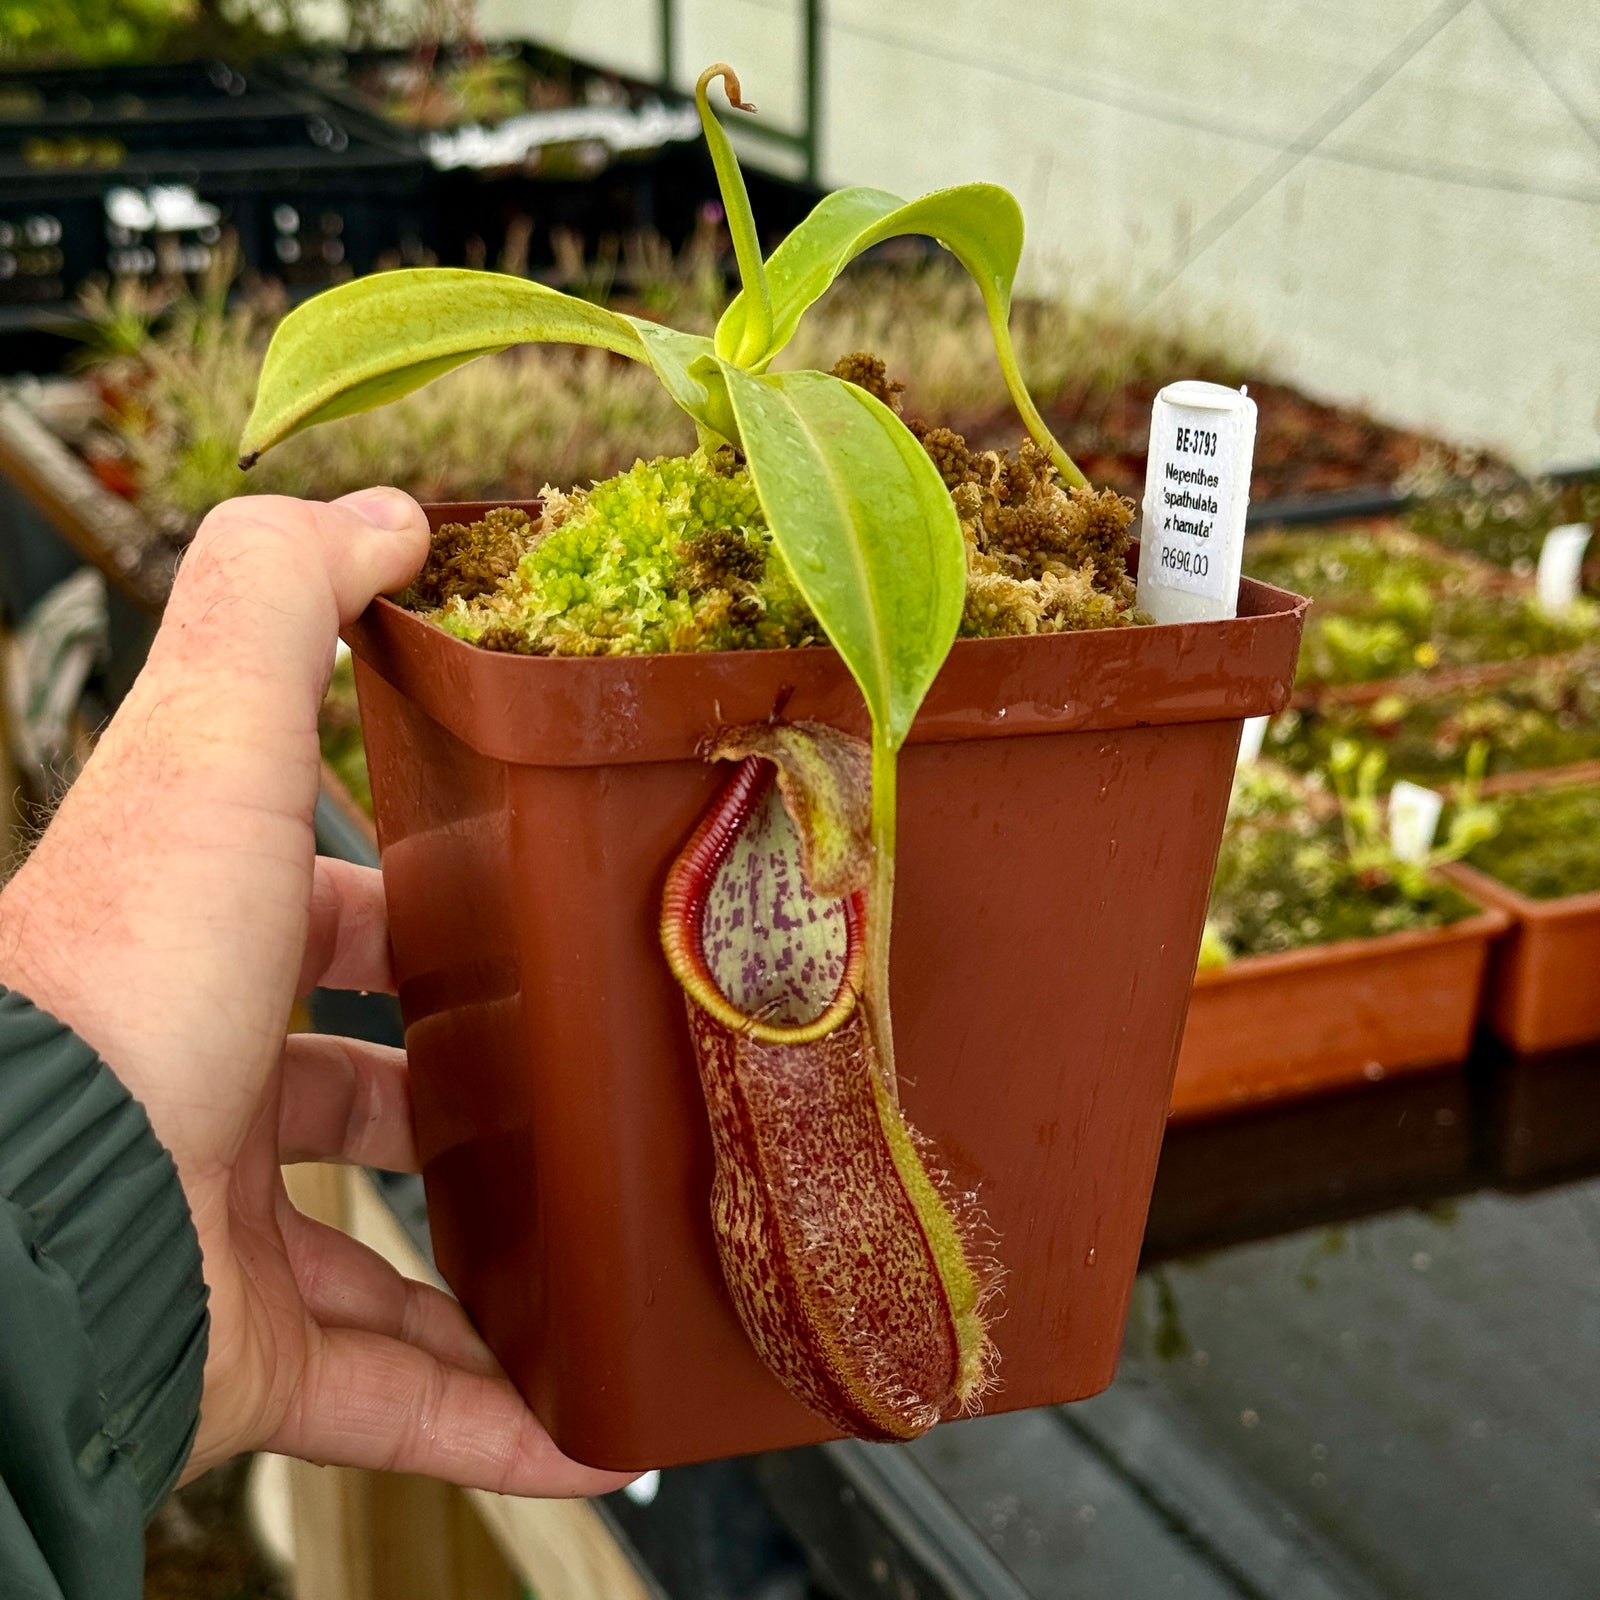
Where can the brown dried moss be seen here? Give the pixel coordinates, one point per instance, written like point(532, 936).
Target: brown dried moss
point(466, 560)
point(720, 562)
point(1041, 557)
point(867, 372)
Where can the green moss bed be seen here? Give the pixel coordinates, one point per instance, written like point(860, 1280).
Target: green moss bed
point(1406, 629)
point(1547, 716)
point(1284, 881)
point(1548, 845)
point(1340, 569)
point(674, 554)
point(1497, 514)
point(1389, 604)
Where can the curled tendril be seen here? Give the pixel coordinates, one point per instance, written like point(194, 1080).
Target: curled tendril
point(730, 85)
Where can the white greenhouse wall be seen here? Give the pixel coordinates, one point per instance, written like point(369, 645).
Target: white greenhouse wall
point(1400, 198)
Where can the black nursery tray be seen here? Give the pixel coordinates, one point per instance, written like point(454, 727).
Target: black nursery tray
point(312, 188)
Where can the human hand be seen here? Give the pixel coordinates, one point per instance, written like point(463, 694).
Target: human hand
point(170, 915)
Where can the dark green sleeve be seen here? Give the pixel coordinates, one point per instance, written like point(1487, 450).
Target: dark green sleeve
point(102, 1319)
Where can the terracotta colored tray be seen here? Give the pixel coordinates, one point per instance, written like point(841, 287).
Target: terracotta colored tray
point(1543, 990)
point(1269, 1027)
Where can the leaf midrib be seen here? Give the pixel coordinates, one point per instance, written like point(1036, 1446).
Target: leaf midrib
point(863, 570)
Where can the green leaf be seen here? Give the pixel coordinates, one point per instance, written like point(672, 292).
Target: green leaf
point(866, 525)
point(870, 534)
point(979, 223)
point(375, 339)
point(736, 206)
point(688, 370)
point(802, 269)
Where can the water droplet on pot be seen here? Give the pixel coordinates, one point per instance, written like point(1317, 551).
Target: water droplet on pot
point(1088, 1260)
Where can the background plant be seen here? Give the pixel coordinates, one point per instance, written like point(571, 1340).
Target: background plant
point(1486, 507)
point(1295, 870)
point(95, 32)
point(1355, 775)
point(1353, 569)
point(1545, 715)
point(88, 30)
point(1548, 843)
point(1403, 625)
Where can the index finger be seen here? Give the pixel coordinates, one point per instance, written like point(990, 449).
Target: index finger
point(368, 1400)
point(347, 943)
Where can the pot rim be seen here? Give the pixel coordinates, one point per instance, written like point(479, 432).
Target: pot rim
point(1479, 884)
point(622, 709)
point(1486, 923)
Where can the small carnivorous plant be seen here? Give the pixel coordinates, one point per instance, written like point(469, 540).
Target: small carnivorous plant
point(857, 1279)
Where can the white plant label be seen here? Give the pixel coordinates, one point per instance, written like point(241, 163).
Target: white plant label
point(1196, 492)
point(1560, 572)
point(1413, 819)
point(1250, 739)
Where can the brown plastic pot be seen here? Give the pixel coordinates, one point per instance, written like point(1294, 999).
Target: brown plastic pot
point(1331, 1015)
point(1061, 804)
point(1543, 988)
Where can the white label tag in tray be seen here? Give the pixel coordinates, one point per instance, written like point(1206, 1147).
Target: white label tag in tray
point(1413, 819)
point(1560, 574)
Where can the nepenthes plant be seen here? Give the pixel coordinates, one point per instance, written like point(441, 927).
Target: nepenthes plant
point(857, 1270)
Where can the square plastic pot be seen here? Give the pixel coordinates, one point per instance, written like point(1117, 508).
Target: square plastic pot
point(1061, 805)
point(1328, 1016)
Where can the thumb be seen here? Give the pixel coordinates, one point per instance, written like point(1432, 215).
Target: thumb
point(268, 581)
point(384, 559)
point(346, 551)
point(241, 660)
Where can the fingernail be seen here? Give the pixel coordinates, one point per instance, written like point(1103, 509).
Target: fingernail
point(383, 508)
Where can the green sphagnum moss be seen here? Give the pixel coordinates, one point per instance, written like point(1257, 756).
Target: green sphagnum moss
point(675, 554)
